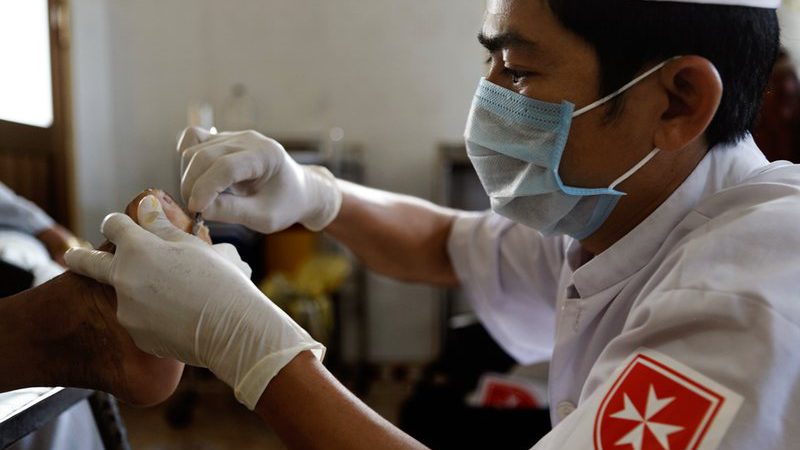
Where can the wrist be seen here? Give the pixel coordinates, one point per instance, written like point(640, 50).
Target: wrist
point(250, 388)
point(265, 340)
point(324, 189)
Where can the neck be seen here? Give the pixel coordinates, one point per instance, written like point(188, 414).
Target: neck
point(647, 190)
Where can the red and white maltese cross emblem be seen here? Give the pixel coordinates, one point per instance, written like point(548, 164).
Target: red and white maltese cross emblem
point(654, 405)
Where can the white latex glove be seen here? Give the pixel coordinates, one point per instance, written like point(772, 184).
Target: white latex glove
point(250, 179)
point(180, 298)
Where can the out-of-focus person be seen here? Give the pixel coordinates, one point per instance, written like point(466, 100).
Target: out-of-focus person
point(21, 219)
point(777, 132)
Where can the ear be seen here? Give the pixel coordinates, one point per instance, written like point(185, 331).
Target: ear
point(694, 90)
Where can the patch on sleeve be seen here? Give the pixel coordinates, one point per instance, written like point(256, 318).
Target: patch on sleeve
point(657, 403)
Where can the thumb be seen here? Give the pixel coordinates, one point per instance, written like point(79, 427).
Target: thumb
point(153, 219)
point(90, 263)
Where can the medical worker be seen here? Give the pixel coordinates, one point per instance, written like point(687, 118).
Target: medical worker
point(638, 238)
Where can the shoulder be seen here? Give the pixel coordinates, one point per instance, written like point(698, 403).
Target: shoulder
point(751, 220)
point(743, 241)
point(772, 190)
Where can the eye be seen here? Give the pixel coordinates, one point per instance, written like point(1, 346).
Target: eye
point(517, 76)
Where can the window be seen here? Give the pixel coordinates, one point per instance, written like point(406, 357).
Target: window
point(26, 94)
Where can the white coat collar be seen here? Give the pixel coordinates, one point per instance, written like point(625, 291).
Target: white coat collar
point(722, 167)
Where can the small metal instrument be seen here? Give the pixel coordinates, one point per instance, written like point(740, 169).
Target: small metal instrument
point(197, 223)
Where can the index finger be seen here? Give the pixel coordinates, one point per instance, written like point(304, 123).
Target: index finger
point(226, 171)
point(188, 152)
point(192, 136)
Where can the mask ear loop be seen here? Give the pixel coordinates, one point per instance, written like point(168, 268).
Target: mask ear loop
point(624, 88)
point(634, 169)
point(619, 91)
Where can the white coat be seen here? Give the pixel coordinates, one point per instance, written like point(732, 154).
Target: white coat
point(685, 334)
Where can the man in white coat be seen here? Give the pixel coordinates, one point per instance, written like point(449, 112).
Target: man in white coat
point(639, 240)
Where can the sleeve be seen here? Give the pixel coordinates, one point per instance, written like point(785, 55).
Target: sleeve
point(20, 214)
point(510, 274)
point(693, 369)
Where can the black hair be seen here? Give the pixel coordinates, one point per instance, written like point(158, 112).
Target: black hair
point(629, 36)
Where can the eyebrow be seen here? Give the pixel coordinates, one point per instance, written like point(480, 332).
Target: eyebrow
point(505, 40)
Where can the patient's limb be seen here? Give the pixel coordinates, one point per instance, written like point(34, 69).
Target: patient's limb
point(65, 333)
point(173, 211)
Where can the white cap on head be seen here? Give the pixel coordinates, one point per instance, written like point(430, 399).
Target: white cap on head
point(770, 4)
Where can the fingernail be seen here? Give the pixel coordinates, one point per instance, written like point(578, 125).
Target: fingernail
point(67, 256)
point(149, 210)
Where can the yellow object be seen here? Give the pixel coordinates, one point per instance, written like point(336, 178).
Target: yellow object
point(287, 251)
point(305, 295)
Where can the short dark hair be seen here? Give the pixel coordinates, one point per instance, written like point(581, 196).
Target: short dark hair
point(631, 35)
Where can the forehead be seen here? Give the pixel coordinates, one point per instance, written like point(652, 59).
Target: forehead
point(534, 21)
point(529, 18)
point(497, 6)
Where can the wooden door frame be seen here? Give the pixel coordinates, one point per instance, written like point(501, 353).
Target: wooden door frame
point(63, 188)
point(34, 152)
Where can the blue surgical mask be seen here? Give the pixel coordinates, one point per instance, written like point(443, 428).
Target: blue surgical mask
point(516, 143)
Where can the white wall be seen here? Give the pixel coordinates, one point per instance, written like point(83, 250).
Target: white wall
point(95, 161)
point(397, 76)
point(789, 16)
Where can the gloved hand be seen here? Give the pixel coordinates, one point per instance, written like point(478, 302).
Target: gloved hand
point(250, 179)
point(180, 298)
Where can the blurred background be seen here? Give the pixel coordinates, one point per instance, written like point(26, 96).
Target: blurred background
point(93, 96)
